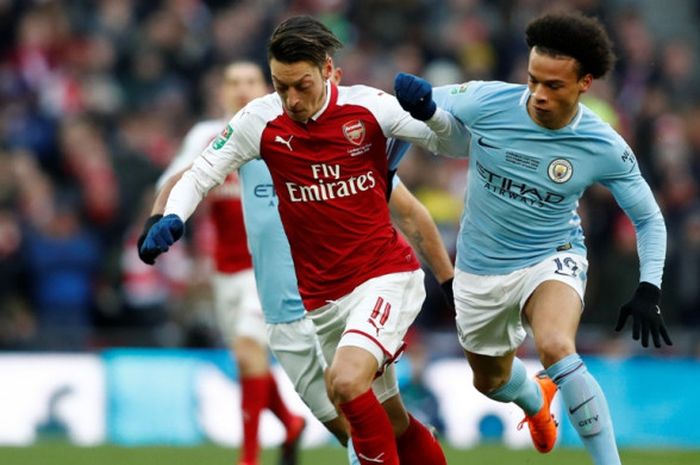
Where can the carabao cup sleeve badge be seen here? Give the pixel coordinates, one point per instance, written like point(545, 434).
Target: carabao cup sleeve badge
point(223, 137)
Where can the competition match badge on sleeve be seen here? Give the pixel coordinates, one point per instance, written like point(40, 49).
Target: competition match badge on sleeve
point(223, 137)
point(460, 90)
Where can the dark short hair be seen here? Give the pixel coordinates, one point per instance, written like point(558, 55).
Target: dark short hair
point(574, 35)
point(302, 38)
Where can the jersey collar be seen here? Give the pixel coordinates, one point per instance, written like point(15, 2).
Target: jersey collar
point(331, 97)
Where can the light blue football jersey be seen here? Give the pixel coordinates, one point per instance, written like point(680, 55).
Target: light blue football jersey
point(269, 248)
point(524, 182)
point(272, 259)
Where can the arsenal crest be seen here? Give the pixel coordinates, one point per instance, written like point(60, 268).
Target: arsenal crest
point(354, 131)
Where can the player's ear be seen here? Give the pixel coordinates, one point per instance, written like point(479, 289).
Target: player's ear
point(337, 75)
point(327, 69)
point(585, 82)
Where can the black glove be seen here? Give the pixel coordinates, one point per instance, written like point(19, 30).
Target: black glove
point(389, 184)
point(448, 293)
point(646, 315)
point(415, 95)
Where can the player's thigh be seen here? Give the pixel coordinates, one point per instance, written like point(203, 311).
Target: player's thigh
point(405, 294)
point(553, 291)
point(488, 313)
point(380, 312)
point(553, 299)
point(238, 308)
point(329, 322)
point(386, 307)
point(298, 352)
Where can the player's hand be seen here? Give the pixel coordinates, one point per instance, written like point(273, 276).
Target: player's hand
point(415, 96)
point(646, 315)
point(448, 293)
point(160, 233)
point(147, 258)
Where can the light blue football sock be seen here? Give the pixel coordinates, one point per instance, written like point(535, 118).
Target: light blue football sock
point(587, 408)
point(352, 457)
point(521, 390)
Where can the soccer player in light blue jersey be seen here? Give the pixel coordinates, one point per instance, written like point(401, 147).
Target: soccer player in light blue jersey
point(521, 257)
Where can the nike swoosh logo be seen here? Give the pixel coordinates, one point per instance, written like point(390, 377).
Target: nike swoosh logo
point(573, 410)
point(483, 143)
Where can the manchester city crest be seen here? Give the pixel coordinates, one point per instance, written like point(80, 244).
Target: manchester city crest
point(560, 170)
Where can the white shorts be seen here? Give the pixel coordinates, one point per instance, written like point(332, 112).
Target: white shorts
point(489, 308)
point(298, 351)
point(238, 308)
point(375, 316)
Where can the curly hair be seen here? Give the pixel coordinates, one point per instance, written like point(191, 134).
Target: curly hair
point(302, 38)
point(574, 35)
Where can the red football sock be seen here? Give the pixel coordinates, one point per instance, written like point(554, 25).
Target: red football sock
point(254, 398)
point(276, 404)
point(371, 431)
point(417, 446)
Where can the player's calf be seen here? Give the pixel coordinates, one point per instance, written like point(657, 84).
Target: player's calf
point(419, 446)
point(587, 408)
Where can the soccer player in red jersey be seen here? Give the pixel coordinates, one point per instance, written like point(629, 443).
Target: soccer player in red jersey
point(325, 147)
point(238, 308)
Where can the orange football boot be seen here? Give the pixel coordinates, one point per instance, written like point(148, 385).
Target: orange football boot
point(542, 425)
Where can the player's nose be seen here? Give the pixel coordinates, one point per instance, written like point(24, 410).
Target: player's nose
point(292, 100)
point(539, 93)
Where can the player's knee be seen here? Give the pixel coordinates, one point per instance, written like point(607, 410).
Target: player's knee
point(345, 385)
point(554, 348)
point(251, 357)
point(488, 383)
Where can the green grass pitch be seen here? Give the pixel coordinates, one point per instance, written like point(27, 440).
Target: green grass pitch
point(63, 454)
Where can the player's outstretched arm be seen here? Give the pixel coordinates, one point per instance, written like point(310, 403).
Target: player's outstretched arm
point(416, 224)
point(444, 134)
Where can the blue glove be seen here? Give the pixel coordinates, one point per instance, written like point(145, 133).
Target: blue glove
point(162, 233)
point(415, 96)
point(646, 315)
point(147, 258)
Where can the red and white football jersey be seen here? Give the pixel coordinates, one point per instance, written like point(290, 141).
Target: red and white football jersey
point(330, 175)
point(231, 252)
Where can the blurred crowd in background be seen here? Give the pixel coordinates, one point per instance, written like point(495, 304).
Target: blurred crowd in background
point(96, 95)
